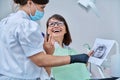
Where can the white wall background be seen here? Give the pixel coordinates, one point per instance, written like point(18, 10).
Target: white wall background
point(5, 8)
point(84, 26)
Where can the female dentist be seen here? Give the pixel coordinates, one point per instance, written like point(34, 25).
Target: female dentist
point(21, 44)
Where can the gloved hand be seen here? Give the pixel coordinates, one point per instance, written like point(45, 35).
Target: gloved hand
point(80, 58)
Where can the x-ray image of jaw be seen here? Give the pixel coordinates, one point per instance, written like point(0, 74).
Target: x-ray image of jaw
point(100, 51)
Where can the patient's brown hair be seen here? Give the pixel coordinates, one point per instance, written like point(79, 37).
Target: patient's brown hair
point(67, 37)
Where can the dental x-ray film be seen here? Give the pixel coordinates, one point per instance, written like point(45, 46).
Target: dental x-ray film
point(101, 49)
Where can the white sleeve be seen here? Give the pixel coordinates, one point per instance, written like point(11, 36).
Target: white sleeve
point(30, 38)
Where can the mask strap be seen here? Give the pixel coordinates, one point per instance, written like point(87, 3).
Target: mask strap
point(30, 9)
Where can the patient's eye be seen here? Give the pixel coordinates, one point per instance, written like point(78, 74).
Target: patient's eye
point(52, 24)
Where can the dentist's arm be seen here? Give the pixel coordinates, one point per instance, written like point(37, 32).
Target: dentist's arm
point(44, 60)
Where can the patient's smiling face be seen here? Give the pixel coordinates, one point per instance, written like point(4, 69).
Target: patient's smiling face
point(56, 28)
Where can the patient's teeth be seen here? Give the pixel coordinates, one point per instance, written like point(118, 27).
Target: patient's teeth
point(56, 31)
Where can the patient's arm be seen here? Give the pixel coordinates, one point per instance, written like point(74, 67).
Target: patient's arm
point(48, 70)
point(49, 48)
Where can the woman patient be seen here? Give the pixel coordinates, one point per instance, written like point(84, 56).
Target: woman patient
point(57, 27)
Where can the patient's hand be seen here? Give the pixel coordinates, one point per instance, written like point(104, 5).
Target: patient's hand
point(90, 53)
point(49, 45)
